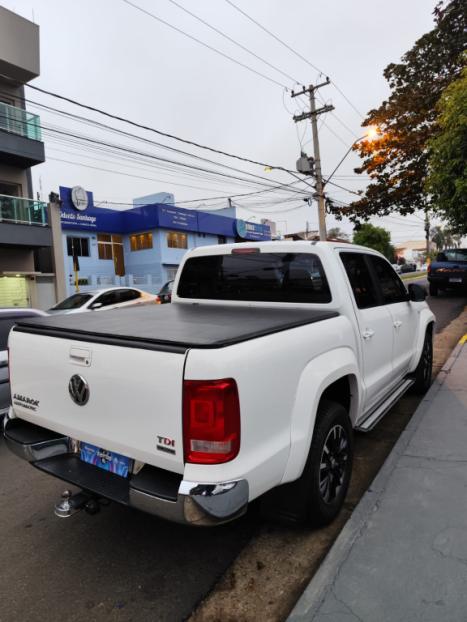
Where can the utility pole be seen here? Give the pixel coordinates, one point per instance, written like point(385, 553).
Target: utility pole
point(313, 116)
point(427, 233)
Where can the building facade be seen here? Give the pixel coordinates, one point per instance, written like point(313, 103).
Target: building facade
point(26, 262)
point(413, 250)
point(142, 246)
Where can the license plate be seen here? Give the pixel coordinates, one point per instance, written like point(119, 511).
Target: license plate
point(104, 459)
point(455, 280)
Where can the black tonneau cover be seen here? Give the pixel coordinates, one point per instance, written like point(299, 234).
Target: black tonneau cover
point(174, 327)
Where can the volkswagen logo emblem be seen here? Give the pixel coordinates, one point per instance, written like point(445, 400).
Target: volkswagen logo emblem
point(78, 389)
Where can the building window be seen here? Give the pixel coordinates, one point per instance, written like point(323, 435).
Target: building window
point(141, 241)
point(104, 244)
point(171, 273)
point(177, 240)
point(77, 247)
point(11, 190)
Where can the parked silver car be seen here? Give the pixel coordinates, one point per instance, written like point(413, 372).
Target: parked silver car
point(8, 317)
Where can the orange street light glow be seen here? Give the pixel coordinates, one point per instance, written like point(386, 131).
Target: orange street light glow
point(373, 133)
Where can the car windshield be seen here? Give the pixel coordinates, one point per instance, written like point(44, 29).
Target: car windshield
point(72, 302)
point(457, 254)
point(256, 276)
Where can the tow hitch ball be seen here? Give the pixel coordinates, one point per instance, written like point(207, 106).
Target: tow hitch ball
point(70, 504)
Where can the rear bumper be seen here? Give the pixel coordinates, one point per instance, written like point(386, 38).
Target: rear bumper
point(155, 491)
point(445, 281)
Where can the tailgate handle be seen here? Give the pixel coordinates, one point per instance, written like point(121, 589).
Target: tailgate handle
point(80, 356)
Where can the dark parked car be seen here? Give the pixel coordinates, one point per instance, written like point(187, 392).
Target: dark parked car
point(449, 271)
point(8, 317)
point(408, 267)
point(165, 294)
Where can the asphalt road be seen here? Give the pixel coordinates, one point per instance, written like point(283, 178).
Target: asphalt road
point(446, 306)
point(119, 564)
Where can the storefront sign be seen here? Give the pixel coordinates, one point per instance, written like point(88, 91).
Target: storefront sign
point(149, 217)
point(178, 218)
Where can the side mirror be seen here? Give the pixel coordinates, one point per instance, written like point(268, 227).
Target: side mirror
point(96, 305)
point(417, 293)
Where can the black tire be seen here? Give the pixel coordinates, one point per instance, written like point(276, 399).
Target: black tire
point(424, 370)
point(433, 289)
point(316, 498)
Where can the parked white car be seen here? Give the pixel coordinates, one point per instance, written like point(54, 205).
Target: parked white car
point(248, 385)
point(102, 299)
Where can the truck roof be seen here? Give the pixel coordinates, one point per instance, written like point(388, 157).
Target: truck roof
point(278, 246)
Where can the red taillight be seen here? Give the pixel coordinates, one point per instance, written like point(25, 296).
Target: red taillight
point(211, 421)
point(157, 300)
point(429, 268)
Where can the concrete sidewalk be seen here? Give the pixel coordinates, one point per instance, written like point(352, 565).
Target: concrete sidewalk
point(402, 556)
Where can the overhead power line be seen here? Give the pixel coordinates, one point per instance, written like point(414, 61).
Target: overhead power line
point(234, 41)
point(104, 126)
point(156, 131)
point(223, 34)
point(291, 49)
point(206, 45)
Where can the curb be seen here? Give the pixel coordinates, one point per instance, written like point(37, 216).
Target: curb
point(314, 594)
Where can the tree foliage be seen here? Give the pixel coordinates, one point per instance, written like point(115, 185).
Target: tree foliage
point(447, 179)
point(397, 162)
point(375, 237)
point(336, 233)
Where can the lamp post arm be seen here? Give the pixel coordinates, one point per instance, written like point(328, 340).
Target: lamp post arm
point(325, 181)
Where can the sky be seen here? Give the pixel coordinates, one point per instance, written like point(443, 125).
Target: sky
point(112, 56)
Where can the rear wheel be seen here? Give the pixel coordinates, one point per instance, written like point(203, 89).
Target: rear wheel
point(433, 289)
point(318, 495)
point(424, 370)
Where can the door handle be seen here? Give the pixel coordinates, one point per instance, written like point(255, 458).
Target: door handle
point(80, 356)
point(397, 324)
point(368, 333)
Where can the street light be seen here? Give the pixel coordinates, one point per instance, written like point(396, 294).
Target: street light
point(373, 134)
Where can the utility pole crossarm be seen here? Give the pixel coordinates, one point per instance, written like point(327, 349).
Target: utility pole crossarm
point(308, 115)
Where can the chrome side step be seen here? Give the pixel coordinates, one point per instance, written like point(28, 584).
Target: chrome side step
point(376, 415)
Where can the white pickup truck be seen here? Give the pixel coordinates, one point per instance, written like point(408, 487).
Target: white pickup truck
point(248, 385)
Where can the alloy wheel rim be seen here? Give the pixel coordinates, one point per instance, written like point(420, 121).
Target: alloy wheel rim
point(333, 464)
point(427, 361)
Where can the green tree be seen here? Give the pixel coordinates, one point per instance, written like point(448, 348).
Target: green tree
point(438, 237)
point(375, 237)
point(336, 232)
point(447, 179)
point(397, 162)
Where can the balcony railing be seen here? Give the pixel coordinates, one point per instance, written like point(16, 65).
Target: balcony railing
point(19, 121)
point(22, 211)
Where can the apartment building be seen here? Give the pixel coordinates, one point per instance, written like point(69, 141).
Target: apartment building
point(26, 262)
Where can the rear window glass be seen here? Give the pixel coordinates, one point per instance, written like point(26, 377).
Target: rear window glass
point(458, 254)
point(258, 277)
point(73, 302)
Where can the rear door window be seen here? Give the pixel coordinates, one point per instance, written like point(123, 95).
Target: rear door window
point(256, 276)
point(125, 295)
point(106, 299)
point(392, 288)
point(360, 280)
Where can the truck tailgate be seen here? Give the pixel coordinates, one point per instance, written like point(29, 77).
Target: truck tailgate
point(135, 395)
